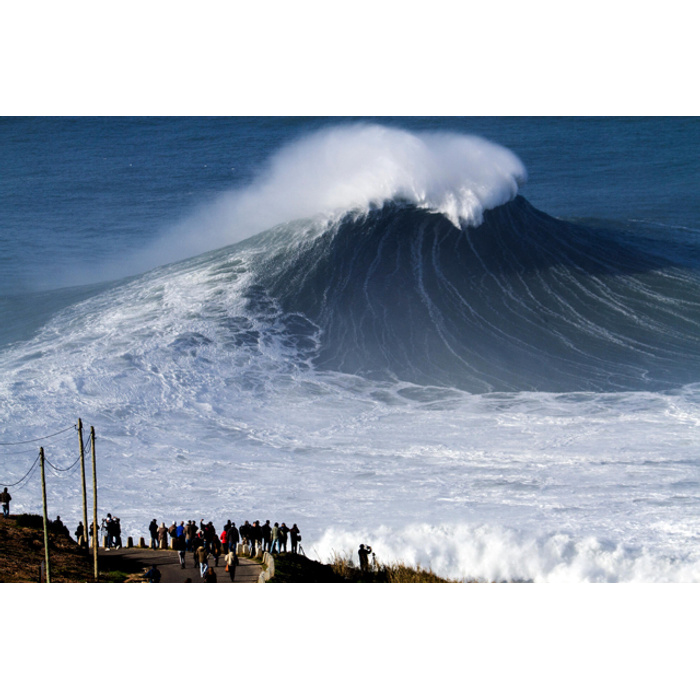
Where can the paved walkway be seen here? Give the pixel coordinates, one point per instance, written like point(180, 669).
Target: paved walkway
point(168, 562)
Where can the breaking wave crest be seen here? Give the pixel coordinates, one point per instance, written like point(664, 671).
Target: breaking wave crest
point(355, 168)
point(496, 554)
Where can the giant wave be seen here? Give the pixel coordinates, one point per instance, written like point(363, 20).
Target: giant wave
point(417, 360)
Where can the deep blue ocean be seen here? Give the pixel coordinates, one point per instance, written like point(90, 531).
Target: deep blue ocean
point(472, 342)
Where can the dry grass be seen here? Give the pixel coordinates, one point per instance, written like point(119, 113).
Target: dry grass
point(384, 573)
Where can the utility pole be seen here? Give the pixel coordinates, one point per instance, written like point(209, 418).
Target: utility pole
point(95, 533)
point(46, 517)
point(86, 524)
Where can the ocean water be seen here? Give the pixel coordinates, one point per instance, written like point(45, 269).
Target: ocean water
point(469, 342)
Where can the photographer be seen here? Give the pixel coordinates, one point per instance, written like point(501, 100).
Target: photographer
point(364, 553)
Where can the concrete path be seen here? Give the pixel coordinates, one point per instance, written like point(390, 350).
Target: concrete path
point(168, 562)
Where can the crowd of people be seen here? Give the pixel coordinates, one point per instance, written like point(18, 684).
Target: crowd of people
point(204, 542)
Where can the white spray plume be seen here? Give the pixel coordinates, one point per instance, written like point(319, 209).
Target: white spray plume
point(352, 168)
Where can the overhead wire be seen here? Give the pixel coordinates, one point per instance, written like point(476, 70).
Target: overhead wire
point(26, 476)
point(45, 437)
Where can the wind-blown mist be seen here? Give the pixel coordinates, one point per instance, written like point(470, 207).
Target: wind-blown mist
point(354, 168)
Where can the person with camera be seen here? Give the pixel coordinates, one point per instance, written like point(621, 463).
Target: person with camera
point(363, 553)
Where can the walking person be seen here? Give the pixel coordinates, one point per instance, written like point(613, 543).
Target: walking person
point(196, 543)
point(5, 499)
point(231, 564)
point(202, 557)
point(216, 550)
point(210, 576)
point(179, 547)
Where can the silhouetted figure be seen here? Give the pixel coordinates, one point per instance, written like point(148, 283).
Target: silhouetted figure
point(295, 536)
point(5, 499)
point(153, 529)
point(284, 531)
point(232, 537)
point(80, 535)
point(363, 553)
point(266, 535)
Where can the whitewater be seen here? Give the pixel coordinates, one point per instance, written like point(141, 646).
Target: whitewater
point(378, 338)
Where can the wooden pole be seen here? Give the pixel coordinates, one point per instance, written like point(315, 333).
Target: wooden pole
point(86, 524)
point(96, 528)
point(46, 517)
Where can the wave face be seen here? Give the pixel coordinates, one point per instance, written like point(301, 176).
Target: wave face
point(521, 302)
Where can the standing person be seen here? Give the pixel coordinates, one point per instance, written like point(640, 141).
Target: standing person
point(296, 538)
point(284, 531)
point(363, 553)
point(109, 527)
point(105, 532)
point(117, 533)
point(266, 534)
point(209, 535)
point(223, 539)
point(172, 531)
point(255, 537)
point(233, 538)
point(231, 564)
point(163, 536)
point(153, 529)
point(5, 499)
point(275, 538)
point(245, 535)
point(190, 532)
point(202, 556)
point(80, 534)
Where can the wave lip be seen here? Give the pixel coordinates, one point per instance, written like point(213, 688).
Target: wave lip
point(365, 166)
point(348, 169)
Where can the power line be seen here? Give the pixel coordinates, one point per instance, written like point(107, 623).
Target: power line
point(36, 461)
point(58, 469)
point(45, 437)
